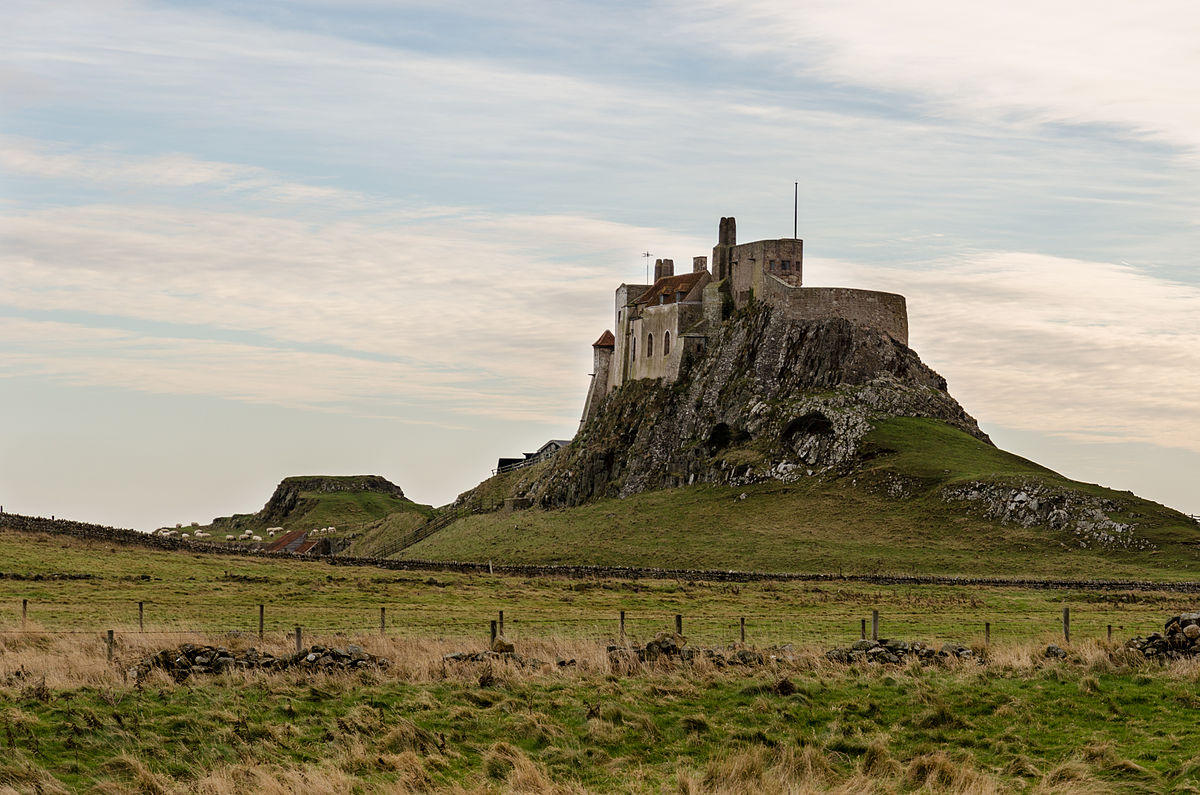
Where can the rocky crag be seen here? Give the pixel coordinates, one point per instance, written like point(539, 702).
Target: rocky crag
point(771, 399)
point(293, 498)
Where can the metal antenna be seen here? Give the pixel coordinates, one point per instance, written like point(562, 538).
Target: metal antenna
point(646, 255)
point(796, 211)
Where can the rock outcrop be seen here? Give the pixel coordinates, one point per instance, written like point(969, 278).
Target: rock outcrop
point(1085, 516)
point(771, 399)
point(289, 501)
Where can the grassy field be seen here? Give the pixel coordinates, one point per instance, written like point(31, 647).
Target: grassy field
point(211, 594)
point(846, 524)
point(1097, 722)
point(1100, 721)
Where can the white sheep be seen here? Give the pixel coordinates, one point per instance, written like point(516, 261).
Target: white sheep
point(186, 535)
point(229, 538)
point(256, 538)
point(202, 534)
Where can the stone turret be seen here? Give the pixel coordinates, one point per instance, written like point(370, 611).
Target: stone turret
point(602, 354)
point(722, 256)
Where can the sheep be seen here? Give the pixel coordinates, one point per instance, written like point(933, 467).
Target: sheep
point(256, 538)
point(202, 534)
point(185, 535)
point(230, 538)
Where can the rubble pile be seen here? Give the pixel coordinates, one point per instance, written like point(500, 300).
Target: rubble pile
point(1180, 638)
point(189, 660)
point(672, 647)
point(891, 650)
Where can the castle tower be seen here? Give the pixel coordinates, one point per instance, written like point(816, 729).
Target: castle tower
point(722, 256)
point(602, 354)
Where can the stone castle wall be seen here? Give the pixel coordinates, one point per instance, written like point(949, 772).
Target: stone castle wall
point(886, 312)
point(659, 321)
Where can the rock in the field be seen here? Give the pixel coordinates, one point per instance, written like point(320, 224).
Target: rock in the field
point(1191, 631)
point(1055, 652)
point(746, 657)
point(501, 645)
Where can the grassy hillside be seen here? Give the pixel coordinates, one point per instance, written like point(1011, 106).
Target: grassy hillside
point(353, 504)
point(848, 524)
point(372, 539)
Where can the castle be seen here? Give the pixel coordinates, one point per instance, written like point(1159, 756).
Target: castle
point(660, 325)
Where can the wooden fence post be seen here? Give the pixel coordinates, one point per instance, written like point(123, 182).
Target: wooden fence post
point(862, 632)
point(24, 610)
point(493, 632)
point(299, 640)
point(383, 621)
point(260, 622)
point(742, 627)
point(622, 626)
point(987, 633)
point(678, 624)
point(141, 616)
point(110, 645)
point(1067, 624)
point(501, 623)
point(1110, 633)
point(874, 625)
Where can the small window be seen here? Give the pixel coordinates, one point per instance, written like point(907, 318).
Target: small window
point(633, 349)
point(786, 265)
point(771, 264)
point(666, 343)
point(649, 344)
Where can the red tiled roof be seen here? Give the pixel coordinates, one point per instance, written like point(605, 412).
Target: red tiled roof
point(305, 547)
point(668, 286)
point(607, 340)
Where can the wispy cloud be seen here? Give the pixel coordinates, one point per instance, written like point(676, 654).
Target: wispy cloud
point(1055, 61)
point(106, 166)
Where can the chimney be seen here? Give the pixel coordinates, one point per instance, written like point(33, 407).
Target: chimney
point(699, 264)
point(663, 267)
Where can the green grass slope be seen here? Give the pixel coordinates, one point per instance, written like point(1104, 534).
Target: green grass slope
point(355, 510)
point(849, 524)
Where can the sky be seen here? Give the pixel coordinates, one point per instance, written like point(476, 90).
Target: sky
point(241, 241)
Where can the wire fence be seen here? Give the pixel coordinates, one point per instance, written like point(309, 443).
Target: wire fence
point(818, 626)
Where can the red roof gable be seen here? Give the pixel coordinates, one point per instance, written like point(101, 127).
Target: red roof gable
point(669, 286)
point(607, 340)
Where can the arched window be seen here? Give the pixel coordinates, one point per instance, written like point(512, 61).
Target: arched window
point(666, 343)
point(649, 344)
